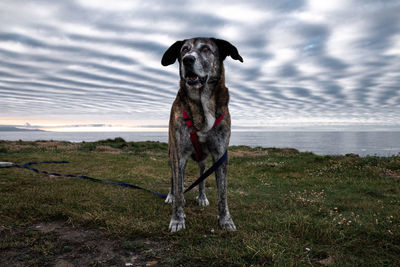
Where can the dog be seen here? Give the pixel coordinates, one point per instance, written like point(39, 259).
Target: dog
point(203, 100)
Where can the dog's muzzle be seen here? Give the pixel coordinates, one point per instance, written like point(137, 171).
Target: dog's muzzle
point(191, 78)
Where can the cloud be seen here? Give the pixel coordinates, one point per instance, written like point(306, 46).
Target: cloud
point(100, 61)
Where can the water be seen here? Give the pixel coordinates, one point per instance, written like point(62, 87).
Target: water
point(326, 143)
point(321, 143)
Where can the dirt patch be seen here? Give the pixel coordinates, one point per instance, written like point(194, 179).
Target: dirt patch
point(62, 245)
point(256, 152)
point(241, 153)
point(392, 173)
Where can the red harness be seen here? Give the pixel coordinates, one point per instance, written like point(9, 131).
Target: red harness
point(193, 134)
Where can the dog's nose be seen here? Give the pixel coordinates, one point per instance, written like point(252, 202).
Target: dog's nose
point(188, 60)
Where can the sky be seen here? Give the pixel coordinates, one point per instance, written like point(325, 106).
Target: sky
point(97, 63)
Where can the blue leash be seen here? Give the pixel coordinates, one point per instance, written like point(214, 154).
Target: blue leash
point(26, 166)
point(207, 173)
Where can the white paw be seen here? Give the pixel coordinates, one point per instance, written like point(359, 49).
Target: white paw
point(202, 200)
point(226, 223)
point(176, 225)
point(169, 199)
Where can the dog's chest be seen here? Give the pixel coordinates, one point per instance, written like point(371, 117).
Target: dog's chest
point(208, 118)
point(203, 119)
point(209, 115)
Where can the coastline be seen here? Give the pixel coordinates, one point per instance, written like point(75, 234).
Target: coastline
point(365, 143)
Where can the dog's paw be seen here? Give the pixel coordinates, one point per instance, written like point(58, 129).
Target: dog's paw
point(176, 225)
point(202, 200)
point(169, 199)
point(226, 223)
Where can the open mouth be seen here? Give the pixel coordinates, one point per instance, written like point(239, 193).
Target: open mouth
point(192, 78)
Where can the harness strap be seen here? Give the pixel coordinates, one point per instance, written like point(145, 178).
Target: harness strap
point(199, 155)
point(219, 119)
point(197, 147)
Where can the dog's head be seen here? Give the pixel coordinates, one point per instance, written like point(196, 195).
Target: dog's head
point(200, 59)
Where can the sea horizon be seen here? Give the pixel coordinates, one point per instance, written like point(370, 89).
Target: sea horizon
point(321, 142)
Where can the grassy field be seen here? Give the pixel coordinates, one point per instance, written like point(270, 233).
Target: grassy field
point(290, 208)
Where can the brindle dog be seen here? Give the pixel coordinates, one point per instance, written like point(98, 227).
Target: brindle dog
point(204, 96)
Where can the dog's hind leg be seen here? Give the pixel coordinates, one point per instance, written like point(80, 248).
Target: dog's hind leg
point(201, 199)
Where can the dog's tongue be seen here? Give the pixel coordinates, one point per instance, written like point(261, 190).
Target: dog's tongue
point(193, 78)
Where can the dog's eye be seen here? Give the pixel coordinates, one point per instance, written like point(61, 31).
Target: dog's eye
point(185, 50)
point(205, 49)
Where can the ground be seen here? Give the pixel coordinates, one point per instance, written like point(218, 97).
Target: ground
point(59, 244)
point(290, 208)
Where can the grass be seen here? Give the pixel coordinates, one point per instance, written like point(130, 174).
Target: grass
point(290, 208)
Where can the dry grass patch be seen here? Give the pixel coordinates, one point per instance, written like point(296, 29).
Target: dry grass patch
point(107, 149)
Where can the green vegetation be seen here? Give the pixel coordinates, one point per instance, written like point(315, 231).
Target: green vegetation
point(290, 208)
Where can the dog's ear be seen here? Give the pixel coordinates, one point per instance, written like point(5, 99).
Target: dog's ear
point(227, 49)
point(172, 53)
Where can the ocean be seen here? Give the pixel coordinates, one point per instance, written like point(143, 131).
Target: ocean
point(372, 143)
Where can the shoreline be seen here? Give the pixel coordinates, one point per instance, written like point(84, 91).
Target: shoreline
point(122, 142)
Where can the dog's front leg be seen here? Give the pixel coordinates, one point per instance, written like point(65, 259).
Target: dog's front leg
point(224, 217)
point(170, 197)
point(201, 199)
point(178, 166)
